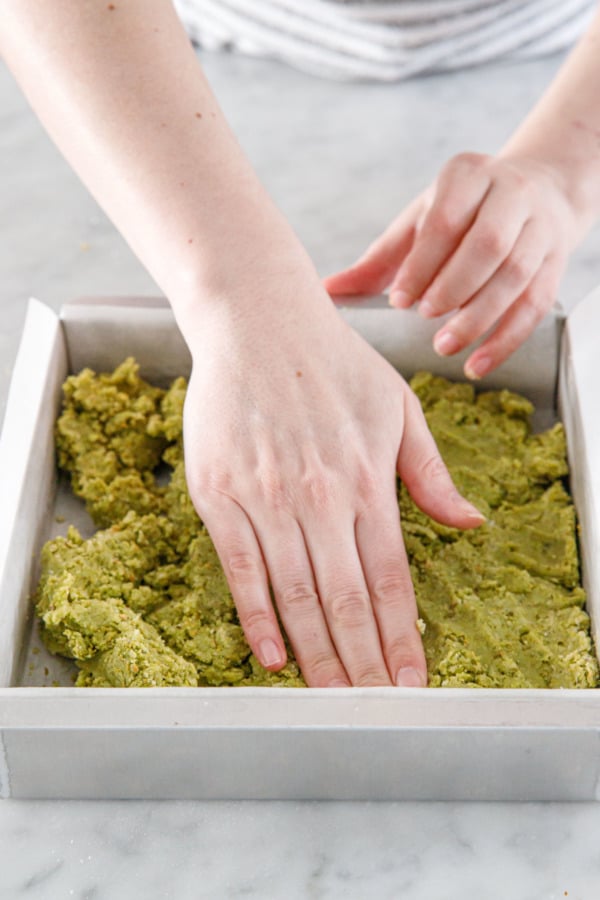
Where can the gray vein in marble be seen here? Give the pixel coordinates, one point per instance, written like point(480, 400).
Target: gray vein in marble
point(44, 875)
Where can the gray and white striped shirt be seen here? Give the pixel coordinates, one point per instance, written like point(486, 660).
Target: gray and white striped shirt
point(386, 40)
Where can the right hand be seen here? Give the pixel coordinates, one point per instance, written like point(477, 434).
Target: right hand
point(294, 431)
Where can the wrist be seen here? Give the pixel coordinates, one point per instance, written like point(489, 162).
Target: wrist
point(572, 166)
point(250, 283)
point(232, 257)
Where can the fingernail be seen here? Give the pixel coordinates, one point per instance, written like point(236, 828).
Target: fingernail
point(473, 513)
point(468, 508)
point(478, 368)
point(338, 683)
point(445, 343)
point(426, 309)
point(269, 653)
point(410, 677)
point(400, 299)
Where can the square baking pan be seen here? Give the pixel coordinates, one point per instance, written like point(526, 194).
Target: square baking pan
point(58, 741)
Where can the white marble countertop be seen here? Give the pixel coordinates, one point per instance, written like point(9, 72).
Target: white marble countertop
point(340, 160)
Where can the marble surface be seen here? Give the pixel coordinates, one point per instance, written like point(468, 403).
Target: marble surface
point(340, 160)
point(298, 851)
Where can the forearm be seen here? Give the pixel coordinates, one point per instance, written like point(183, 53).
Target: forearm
point(120, 91)
point(563, 129)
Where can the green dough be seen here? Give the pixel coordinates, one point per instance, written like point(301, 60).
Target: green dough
point(501, 605)
point(144, 602)
point(105, 441)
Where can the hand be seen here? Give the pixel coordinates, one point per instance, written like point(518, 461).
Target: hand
point(294, 430)
point(488, 241)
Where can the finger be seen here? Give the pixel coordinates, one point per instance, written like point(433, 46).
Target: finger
point(298, 603)
point(242, 561)
point(375, 269)
point(345, 599)
point(460, 189)
point(493, 300)
point(519, 321)
point(384, 562)
point(488, 243)
point(425, 475)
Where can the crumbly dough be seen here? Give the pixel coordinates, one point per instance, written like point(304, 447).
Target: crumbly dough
point(144, 602)
point(502, 605)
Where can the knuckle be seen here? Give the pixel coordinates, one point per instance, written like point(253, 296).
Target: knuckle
point(443, 219)
point(349, 608)
point(530, 310)
point(210, 482)
point(241, 567)
point(390, 589)
point(297, 597)
point(443, 300)
point(517, 179)
point(367, 486)
point(466, 161)
point(459, 165)
point(489, 242)
point(274, 489)
point(542, 304)
point(369, 676)
point(517, 269)
point(318, 489)
point(404, 651)
point(321, 668)
point(256, 622)
point(532, 314)
point(433, 468)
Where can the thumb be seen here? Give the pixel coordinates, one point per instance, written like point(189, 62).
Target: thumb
point(364, 277)
point(376, 268)
point(425, 475)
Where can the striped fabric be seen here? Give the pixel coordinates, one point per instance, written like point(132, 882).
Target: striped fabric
point(386, 40)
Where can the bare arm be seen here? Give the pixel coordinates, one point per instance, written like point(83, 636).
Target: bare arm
point(490, 239)
point(294, 427)
point(119, 89)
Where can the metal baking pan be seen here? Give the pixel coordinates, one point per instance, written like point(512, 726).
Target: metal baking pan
point(277, 743)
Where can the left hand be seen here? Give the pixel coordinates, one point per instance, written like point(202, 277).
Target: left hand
point(488, 240)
